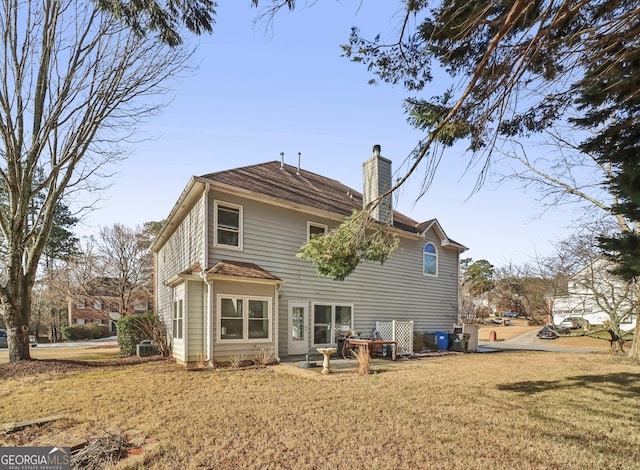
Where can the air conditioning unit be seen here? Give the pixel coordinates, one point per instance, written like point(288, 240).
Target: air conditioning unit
point(145, 349)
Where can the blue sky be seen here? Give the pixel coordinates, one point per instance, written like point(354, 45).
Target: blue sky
point(265, 88)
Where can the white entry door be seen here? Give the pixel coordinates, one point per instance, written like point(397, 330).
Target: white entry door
point(298, 328)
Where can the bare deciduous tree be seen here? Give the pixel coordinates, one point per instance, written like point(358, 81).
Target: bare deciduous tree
point(74, 85)
point(125, 259)
point(594, 287)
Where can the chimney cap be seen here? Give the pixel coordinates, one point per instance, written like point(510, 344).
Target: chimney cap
point(376, 149)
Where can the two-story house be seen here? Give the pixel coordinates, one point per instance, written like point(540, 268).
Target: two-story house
point(599, 297)
point(100, 302)
point(228, 281)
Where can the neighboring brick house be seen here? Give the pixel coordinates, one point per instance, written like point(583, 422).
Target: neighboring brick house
point(101, 304)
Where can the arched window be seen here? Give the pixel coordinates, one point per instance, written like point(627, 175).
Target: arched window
point(430, 260)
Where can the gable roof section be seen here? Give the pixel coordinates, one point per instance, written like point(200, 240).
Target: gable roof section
point(285, 182)
point(239, 269)
point(301, 188)
point(305, 188)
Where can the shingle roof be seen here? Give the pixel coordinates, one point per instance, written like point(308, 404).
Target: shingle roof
point(242, 269)
point(306, 188)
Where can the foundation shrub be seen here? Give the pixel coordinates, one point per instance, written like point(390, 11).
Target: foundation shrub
point(133, 329)
point(80, 332)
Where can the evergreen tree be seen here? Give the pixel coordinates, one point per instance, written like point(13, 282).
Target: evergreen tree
point(522, 67)
point(610, 100)
point(62, 243)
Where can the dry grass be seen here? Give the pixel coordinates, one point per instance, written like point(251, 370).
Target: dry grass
point(106, 352)
point(523, 410)
point(361, 355)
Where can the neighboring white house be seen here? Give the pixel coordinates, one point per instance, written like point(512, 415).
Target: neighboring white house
point(593, 292)
point(228, 281)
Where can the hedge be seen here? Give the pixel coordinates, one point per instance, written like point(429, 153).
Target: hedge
point(90, 331)
point(133, 329)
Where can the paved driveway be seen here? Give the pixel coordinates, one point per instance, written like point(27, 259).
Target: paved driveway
point(529, 342)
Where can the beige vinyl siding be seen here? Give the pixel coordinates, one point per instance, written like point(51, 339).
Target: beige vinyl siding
point(222, 351)
point(397, 290)
point(184, 248)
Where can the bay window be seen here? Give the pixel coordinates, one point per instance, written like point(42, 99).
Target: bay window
point(244, 318)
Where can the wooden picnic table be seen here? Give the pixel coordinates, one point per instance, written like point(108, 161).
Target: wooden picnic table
point(370, 345)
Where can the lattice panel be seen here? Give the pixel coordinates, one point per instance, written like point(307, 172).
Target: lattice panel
point(385, 328)
point(400, 331)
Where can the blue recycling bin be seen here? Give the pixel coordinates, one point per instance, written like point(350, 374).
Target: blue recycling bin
point(442, 339)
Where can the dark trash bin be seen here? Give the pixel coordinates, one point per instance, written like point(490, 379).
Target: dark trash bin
point(442, 339)
point(461, 342)
point(430, 342)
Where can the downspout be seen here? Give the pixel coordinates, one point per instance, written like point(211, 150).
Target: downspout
point(276, 315)
point(207, 343)
point(206, 338)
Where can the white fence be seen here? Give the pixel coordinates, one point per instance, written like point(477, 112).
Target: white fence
point(399, 331)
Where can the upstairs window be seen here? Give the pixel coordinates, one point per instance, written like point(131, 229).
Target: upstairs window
point(430, 260)
point(80, 304)
point(314, 229)
point(97, 304)
point(228, 225)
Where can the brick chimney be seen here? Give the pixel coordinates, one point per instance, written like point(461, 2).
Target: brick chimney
point(376, 173)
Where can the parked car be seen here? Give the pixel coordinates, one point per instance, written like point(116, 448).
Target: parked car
point(551, 332)
point(33, 341)
point(501, 321)
point(574, 323)
point(511, 314)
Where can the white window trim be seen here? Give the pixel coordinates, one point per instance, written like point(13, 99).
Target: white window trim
point(245, 318)
point(315, 224)
point(435, 255)
point(177, 301)
point(333, 321)
point(216, 204)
